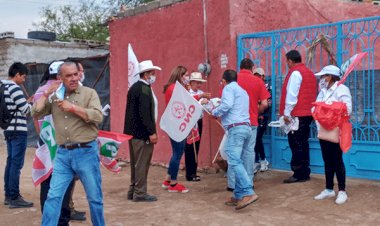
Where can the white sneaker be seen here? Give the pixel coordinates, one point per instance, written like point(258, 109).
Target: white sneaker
point(342, 197)
point(256, 167)
point(264, 165)
point(325, 194)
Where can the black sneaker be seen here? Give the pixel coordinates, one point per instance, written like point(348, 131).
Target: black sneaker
point(19, 202)
point(145, 198)
point(77, 216)
point(7, 200)
point(78, 212)
point(295, 180)
point(130, 195)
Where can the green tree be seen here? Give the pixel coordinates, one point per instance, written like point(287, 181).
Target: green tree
point(87, 20)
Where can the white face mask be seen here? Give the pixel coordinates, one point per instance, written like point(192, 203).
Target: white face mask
point(152, 79)
point(82, 79)
point(323, 83)
point(186, 80)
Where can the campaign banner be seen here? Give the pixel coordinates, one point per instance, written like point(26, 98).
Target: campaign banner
point(181, 114)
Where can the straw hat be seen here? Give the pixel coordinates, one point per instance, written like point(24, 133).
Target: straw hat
point(196, 76)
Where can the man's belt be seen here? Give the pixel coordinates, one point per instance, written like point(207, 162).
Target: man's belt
point(71, 146)
point(238, 124)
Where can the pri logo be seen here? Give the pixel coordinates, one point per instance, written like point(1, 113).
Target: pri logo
point(178, 109)
point(131, 68)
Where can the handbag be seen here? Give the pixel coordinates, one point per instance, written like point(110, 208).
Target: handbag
point(329, 114)
point(328, 135)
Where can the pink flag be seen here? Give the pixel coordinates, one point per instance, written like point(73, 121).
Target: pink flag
point(349, 65)
point(42, 165)
point(109, 143)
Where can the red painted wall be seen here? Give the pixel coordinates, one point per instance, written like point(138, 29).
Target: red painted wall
point(174, 35)
point(169, 36)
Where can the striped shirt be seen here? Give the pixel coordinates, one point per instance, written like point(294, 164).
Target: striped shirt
point(16, 102)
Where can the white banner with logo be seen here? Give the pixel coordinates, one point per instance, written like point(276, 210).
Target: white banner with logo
point(133, 67)
point(181, 114)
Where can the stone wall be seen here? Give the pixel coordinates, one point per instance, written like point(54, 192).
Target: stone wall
point(28, 51)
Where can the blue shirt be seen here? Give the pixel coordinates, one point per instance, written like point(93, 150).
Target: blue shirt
point(234, 107)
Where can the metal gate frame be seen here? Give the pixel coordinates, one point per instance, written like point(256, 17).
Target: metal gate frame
point(267, 50)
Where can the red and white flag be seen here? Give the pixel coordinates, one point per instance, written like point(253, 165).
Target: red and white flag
point(181, 114)
point(349, 65)
point(133, 67)
point(42, 165)
point(109, 143)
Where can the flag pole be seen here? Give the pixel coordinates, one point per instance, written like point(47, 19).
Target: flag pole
point(195, 150)
point(217, 153)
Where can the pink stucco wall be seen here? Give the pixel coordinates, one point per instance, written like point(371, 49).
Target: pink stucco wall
point(174, 35)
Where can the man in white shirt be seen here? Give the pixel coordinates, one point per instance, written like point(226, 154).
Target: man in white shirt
point(298, 93)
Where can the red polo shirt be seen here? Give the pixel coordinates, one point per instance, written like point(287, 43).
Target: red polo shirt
point(255, 87)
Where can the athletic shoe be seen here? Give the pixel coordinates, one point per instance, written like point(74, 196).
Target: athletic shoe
point(264, 165)
point(256, 167)
point(178, 188)
point(325, 194)
point(342, 197)
point(166, 184)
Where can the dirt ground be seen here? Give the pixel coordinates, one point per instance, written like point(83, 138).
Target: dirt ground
point(279, 204)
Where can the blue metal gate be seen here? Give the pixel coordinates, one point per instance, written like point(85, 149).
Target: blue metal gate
point(267, 50)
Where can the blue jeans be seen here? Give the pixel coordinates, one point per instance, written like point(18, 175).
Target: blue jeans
point(83, 162)
point(16, 147)
point(248, 157)
point(239, 147)
point(178, 148)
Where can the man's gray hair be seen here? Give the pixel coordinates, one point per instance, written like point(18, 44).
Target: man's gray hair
point(67, 63)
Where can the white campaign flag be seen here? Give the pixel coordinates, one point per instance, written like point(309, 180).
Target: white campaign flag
point(133, 67)
point(181, 114)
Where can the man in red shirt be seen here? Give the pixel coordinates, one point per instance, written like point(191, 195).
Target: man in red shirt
point(257, 92)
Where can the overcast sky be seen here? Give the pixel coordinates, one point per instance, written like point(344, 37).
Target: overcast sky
point(18, 15)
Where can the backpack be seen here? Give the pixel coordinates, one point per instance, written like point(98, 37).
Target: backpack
point(6, 115)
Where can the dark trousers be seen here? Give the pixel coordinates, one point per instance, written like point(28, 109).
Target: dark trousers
point(140, 155)
point(64, 218)
point(190, 163)
point(333, 157)
point(16, 147)
point(299, 144)
point(259, 147)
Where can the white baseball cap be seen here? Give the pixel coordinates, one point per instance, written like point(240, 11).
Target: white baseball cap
point(259, 71)
point(329, 70)
point(53, 68)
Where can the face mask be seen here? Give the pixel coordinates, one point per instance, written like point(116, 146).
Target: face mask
point(82, 79)
point(186, 80)
point(323, 83)
point(60, 92)
point(152, 79)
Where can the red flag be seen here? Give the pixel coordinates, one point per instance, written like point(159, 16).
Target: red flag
point(42, 165)
point(349, 65)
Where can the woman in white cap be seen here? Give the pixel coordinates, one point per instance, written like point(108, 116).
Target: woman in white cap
point(331, 152)
point(179, 74)
point(191, 156)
